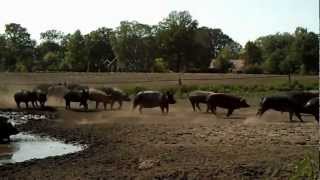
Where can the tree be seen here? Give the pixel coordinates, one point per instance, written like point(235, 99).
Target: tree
point(275, 49)
point(290, 53)
point(51, 44)
point(3, 53)
point(76, 52)
point(51, 61)
point(20, 48)
point(52, 35)
point(305, 49)
point(209, 42)
point(222, 63)
point(252, 54)
point(135, 46)
point(176, 39)
point(99, 48)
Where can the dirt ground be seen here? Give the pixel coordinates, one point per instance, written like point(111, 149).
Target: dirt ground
point(123, 144)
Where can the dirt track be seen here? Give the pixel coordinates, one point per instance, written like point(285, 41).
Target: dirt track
point(184, 144)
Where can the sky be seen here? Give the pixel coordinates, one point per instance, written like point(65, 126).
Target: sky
point(242, 20)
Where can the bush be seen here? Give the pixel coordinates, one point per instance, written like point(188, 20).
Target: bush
point(160, 65)
point(21, 67)
point(253, 69)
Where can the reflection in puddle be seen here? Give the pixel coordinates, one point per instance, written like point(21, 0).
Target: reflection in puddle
point(26, 146)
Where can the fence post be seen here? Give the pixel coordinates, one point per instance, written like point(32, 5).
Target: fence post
point(289, 78)
point(179, 81)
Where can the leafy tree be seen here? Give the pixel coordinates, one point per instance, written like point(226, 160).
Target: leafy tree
point(51, 61)
point(252, 54)
point(222, 63)
point(76, 52)
point(135, 46)
point(271, 65)
point(209, 43)
point(275, 49)
point(51, 44)
point(52, 35)
point(176, 39)
point(305, 49)
point(20, 48)
point(98, 44)
point(3, 53)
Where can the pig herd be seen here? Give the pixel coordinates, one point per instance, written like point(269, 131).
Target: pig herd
point(294, 103)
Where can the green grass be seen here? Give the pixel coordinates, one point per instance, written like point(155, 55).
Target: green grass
point(307, 168)
point(245, 90)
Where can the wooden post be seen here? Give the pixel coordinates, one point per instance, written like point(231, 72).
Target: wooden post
point(289, 78)
point(180, 81)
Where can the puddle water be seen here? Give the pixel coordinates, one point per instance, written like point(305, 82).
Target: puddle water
point(17, 118)
point(24, 147)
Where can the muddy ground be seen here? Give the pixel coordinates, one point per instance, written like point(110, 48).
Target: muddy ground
point(181, 145)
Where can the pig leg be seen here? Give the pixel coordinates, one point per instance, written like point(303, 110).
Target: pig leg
point(105, 106)
point(85, 106)
point(316, 116)
point(97, 104)
point(213, 109)
point(120, 104)
point(67, 104)
point(140, 109)
point(134, 106)
point(27, 104)
point(112, 103)
point(299, 116)
point(167, 108)
point(193, 106)
point(261, 111)
point(18, 104)
point(36, 104)
point(198, 106)
point(229, 112)
point(162, 109)
point(208, 107)
point(290, 115)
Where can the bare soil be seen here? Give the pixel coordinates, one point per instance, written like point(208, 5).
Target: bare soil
point(123, 144)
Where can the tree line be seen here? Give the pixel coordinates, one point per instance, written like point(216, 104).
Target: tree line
point(283, 53)
point(176, 43)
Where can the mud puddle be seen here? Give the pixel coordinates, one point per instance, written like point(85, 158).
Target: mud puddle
point(25, 147)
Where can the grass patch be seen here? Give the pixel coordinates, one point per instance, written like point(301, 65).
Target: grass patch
point(244, 90)
point(307, 168)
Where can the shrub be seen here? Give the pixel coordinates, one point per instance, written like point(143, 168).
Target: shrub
point(253, 69)
point(160, 65)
